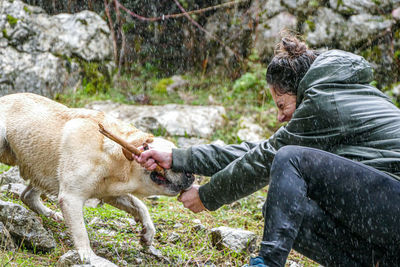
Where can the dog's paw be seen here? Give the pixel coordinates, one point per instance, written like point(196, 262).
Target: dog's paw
point(147, 234)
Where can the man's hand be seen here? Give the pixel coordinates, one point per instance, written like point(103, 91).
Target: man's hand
point(149, 159)
point(191, 199)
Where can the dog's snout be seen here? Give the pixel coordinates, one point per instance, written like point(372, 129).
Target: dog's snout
point(188, 180)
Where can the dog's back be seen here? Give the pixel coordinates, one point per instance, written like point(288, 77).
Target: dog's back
point(30, 133)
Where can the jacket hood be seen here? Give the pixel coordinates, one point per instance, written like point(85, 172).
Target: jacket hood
point(335, 66)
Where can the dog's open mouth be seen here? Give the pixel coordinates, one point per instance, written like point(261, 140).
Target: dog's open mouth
point(158, 178)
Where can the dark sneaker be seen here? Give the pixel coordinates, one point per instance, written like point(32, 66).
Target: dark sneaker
point(256, 262)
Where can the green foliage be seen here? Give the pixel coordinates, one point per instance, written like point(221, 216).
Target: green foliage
point(311, 25)
point(4, 168)
point(314, 3)
point(27, 10)
point(374, 83)
point(11, 20)
point(161, 86)
point(396, 55)
point(5, 35)
point(95, 78)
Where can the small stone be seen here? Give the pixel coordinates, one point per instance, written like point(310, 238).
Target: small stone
point(196, 221)
point(138, 261)
point(13, 190)
point(95, 220)
point(153, 197)
point(131, 221)
point(174, 237)
point(93, 202)
point(178, 225)
point(199, 227)
point(155, 252)
point(235, 239)
point(71, 258)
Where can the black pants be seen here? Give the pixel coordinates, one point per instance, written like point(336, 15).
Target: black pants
point(333, 210)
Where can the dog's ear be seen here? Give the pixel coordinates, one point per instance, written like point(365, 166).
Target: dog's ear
point(127, 154)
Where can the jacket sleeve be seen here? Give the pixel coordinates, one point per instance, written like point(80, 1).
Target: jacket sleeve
point(208, 159)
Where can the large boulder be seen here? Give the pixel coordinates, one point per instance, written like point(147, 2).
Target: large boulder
point(6, 241)
point(324, 28)
point(25, 226)
point(351, 7)
point(179, 120)
point(268, 32)
point(37, 50)
point(11, 176)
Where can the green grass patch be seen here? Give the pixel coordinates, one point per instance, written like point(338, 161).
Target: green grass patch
point(11, 20)
point(116, 239)
point(4, 168)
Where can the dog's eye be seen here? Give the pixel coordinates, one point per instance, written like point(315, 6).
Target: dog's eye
point(187, 174)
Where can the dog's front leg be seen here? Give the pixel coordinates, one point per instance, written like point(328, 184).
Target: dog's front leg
point(139, 211)
point(72, 209)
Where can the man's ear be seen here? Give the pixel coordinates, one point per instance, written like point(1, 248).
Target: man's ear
point(127, 154)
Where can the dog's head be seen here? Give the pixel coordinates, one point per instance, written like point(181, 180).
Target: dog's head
point(169, 184)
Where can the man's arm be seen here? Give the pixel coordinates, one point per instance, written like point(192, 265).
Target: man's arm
point(208, 159)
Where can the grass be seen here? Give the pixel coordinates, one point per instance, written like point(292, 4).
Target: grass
point(114, 237)
point(117, 239)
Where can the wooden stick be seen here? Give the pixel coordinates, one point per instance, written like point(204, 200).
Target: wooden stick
point(131, 148)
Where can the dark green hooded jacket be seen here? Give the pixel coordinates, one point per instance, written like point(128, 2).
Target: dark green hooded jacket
point(337, 111)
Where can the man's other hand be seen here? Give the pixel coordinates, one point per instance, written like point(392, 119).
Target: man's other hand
point(191, 199)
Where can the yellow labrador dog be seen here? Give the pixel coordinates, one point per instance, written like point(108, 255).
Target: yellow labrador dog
point(61, 152)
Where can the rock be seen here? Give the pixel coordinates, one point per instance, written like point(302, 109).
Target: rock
point(235, 239)
point(130, 221)
point(269, 32)
point(199, 227)
point(180, 120)
point(184, 142)
point(155, 252)
point(93, 202)
point(324, 28)
point(291, 263)
point(232, 27)
point(396, 91)
point(396, 14)
point(155, 197)
point(106, 231)
point(95, 221)
point(11, 176)
point(6, 241)
point(71, 258)
point(351, 7)
point(15, 190)
point(196, 221)
point(25, 226)
point(249, 131)
point(36, 48)
point(218, 143)
point(364, 28)
point(266, 9)
point(178, 225)
point(178, 82)
point(173, 237)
